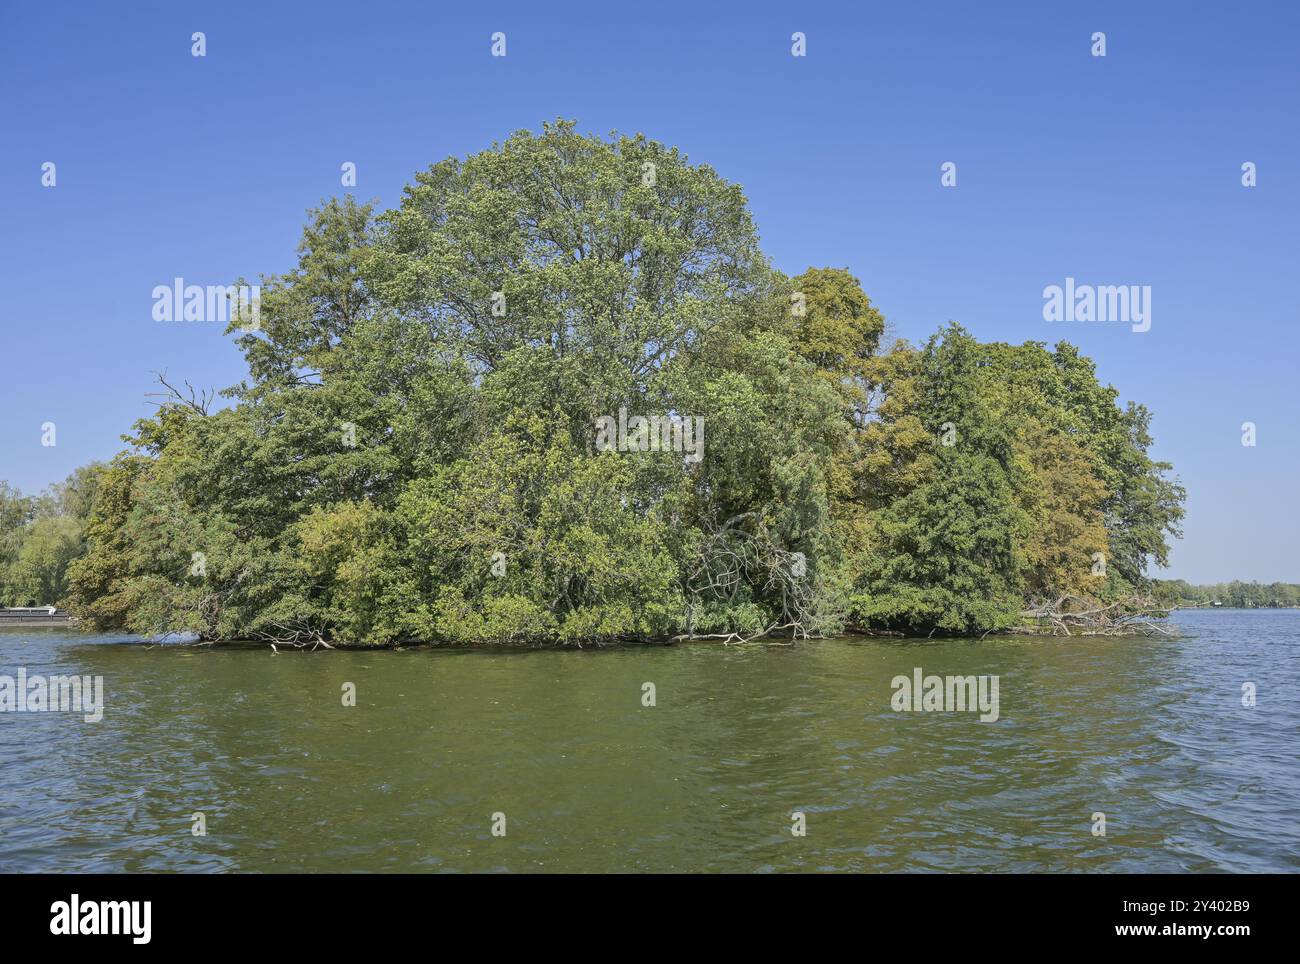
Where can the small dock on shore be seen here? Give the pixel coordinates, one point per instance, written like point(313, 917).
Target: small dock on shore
point(34, 616)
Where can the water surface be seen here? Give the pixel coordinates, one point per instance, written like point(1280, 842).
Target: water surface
point(1150, 732)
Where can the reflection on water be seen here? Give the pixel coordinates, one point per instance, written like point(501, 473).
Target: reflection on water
point(1150, 732)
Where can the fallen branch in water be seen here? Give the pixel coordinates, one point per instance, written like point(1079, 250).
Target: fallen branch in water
point(1079, 616)
point(298, 636)
point(742, 553)
point(792, 630)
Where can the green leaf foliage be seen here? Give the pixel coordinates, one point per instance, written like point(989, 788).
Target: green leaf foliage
point(414, 453)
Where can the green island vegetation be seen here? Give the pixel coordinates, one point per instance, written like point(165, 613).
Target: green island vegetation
point(412, 456)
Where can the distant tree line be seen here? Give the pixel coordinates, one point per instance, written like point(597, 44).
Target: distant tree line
point(40, 536)
point(1172, 593)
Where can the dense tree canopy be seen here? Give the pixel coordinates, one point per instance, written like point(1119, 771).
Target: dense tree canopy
point(414, 454)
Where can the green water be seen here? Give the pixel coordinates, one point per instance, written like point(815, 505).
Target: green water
point(1150, 732)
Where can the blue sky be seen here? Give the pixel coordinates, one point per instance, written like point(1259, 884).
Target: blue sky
point(1117, 170)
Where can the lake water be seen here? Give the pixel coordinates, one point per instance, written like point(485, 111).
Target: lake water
point(1152, 733)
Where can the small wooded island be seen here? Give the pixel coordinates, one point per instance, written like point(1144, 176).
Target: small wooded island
point(559, 395)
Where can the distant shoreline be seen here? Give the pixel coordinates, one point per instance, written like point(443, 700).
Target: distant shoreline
point(1233, 608)
point(35, 616)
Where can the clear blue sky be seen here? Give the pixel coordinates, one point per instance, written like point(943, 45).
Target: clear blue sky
point(1122, 170)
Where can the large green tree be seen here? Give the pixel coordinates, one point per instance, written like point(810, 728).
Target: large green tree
point(414, 452)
